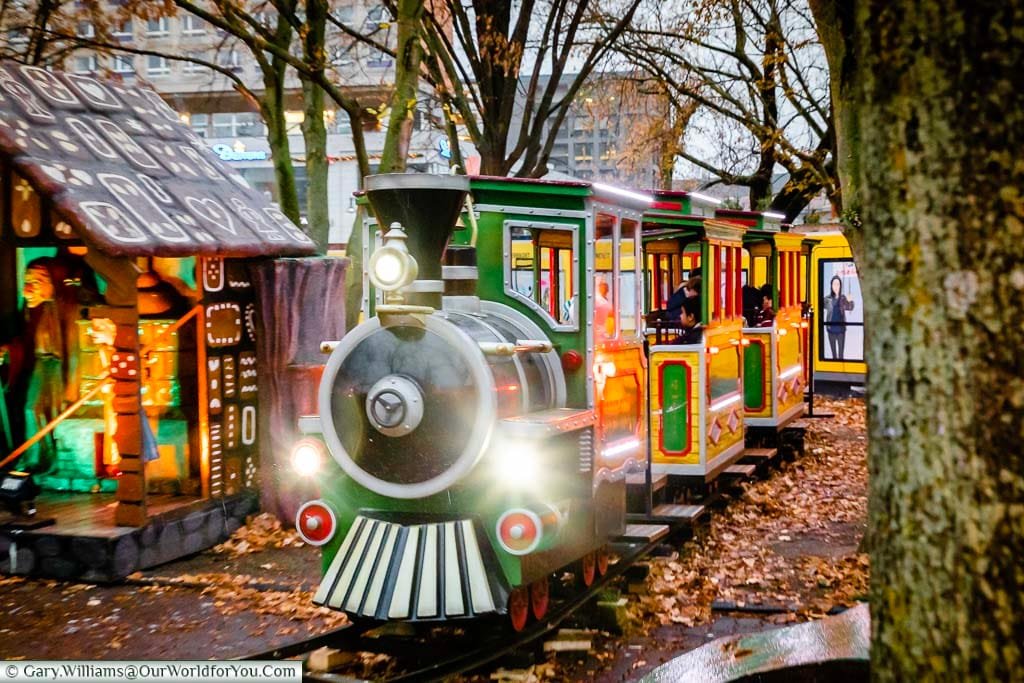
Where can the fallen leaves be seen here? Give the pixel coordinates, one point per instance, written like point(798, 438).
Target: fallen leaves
point(790, 540)
point(260, 532)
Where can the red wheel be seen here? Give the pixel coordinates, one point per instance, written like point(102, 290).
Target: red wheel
point(602, 561)
point(519, 607)
point(539, 598)
point(587, 570)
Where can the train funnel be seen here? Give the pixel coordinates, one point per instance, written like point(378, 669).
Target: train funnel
point(427, 206)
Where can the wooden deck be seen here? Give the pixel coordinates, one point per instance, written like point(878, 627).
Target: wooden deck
point(92, 514)
point(82, 542)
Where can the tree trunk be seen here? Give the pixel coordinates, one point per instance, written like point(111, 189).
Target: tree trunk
point(272, 106)
point(407, 77)
point(939, 85)
point(835, 30)
point(314, 133)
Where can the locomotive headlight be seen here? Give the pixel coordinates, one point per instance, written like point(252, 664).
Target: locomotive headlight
point(392, 266)
point(517, 467)
point(307, 457)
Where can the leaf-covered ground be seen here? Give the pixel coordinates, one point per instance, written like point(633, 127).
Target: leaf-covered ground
point(786, 550)
point(247, 595)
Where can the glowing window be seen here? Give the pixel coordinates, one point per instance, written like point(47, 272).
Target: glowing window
point(539, 270)
point(629, 289)
point(604, 277)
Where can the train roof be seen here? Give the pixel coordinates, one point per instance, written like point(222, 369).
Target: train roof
point(112, 165)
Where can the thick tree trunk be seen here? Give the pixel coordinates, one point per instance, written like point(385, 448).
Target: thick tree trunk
point(931, 114)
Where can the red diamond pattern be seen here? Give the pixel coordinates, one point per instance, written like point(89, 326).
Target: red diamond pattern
point(715, 433)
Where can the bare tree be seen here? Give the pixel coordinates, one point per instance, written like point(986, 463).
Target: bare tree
point(485, 58)
point(758, 75)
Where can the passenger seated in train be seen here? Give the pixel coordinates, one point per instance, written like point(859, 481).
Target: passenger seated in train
point(766, 315)
point(752, 302)
point(692, 332)
point(687, 289)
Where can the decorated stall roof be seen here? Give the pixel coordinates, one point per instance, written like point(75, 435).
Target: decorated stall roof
point(124, 175)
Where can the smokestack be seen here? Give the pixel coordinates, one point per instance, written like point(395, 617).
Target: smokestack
point(428, 208)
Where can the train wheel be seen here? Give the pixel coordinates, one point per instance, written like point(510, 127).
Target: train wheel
point(539, 598)
point(602, 561)
point(587, 569)
point(519, 607)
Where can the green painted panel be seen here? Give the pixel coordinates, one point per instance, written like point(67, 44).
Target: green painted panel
point(675, 408)
point(753, 377)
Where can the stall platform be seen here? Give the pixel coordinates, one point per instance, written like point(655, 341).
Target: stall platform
point(73, 536)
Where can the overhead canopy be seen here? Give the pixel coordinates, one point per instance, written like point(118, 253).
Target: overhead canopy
point(118, 166)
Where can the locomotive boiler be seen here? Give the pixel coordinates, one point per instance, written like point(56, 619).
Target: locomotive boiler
point(457, 481)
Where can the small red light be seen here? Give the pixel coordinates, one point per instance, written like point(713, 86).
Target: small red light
point(572, 360)
point(519, 531)
point(315, 522)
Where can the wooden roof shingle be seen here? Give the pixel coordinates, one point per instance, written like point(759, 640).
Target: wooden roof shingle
point(121, 169)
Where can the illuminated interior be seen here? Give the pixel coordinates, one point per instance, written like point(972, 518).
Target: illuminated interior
point(542, 263)
point(59, 352)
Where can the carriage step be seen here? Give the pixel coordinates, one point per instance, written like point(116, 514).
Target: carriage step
point(675, 513)
point(658, 480)
point(740, 470)
point(801, 425)
point(759, 455)
point(645, 532)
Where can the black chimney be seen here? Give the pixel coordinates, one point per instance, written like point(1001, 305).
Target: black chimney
point(428, 208)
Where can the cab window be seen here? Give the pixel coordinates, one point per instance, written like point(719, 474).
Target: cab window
point(539, 267)
point(629, 291)
point(605, 295)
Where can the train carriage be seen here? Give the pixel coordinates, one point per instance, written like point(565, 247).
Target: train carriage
point(774, 360)
point(697, 421)
point(488, 418)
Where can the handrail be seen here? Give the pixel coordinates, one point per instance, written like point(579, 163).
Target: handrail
point(71, 409)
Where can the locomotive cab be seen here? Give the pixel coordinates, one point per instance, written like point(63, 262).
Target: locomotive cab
point(697, 426)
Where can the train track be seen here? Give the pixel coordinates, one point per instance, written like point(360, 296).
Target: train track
point(423, 661)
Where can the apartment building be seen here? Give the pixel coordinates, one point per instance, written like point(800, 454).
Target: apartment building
point(603, 136)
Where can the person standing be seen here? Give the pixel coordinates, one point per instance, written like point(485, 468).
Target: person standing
point(835, 308)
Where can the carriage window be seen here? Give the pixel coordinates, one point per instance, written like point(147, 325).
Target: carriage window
point(604, 277)
point(541, 271)
point(724, 372)
point(628, 288)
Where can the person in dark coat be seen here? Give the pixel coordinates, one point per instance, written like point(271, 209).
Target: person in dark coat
point(687, 289)
point(766, 315)
point(751, 305)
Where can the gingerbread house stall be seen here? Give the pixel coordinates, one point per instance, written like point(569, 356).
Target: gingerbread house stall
point(128, 319)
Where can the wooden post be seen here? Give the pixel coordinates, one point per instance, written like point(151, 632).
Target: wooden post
point(125, 369)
